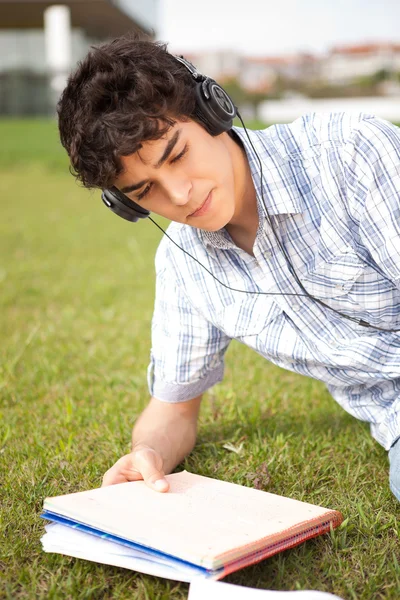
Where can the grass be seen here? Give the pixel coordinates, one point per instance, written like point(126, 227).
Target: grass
point(76, 304)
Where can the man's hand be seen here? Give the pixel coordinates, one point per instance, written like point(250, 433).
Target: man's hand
point(163, 435)
point(143, 463)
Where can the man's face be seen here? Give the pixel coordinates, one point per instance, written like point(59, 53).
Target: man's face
point(186, 176)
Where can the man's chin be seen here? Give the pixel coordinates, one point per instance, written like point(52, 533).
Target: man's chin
point(212, 224)
point(209, 227)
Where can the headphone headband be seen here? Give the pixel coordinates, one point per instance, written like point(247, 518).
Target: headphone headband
point(190, 66)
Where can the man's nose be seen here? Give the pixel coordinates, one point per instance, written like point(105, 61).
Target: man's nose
point(178, 190)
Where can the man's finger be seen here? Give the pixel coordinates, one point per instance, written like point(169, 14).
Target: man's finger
point(148, 463)
point(119, 472)
point(143, 464)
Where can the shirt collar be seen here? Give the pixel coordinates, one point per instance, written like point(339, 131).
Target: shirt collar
point(280, 192)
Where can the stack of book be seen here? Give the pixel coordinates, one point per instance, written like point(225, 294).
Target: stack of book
point(201, 528)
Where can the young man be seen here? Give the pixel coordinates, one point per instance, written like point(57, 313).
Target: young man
point(313, 241)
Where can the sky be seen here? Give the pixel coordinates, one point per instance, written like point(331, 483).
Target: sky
point(275, 27)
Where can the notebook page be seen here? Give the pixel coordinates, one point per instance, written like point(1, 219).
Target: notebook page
point(198, 520)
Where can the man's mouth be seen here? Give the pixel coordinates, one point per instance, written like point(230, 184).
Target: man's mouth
point(203, 208)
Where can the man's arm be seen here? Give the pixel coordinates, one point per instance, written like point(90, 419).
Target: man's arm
point(186, 359)
point(163, 435)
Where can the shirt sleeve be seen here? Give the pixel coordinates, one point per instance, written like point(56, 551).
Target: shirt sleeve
point(187, 355)
point(373, 173)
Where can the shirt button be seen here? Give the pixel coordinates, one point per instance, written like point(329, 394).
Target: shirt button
point(296, 307)
point(267, 255)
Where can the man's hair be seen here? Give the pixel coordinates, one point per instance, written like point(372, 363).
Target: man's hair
point(122, 94)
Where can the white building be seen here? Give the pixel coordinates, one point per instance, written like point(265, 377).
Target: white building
point(346, 63)
point(260, 73)
point(220, 65)
point(41, 41)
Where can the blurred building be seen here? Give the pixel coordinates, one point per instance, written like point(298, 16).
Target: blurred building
point(220, 64)
point(340, 66)
point(346, 63)
point(259, 74)
point(255, 73)
point(40, 42)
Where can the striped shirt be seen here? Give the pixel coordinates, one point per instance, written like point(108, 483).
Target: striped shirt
point(331, 187)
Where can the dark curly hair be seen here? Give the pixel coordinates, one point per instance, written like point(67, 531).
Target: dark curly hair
point(123, 93)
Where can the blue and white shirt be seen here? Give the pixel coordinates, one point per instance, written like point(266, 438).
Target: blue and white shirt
point(332, 190)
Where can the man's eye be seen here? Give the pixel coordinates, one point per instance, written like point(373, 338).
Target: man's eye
point(180, 155)
point(174, 160)
point(145, 192)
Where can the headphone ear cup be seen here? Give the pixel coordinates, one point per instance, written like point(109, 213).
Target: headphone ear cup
point(214, 108)
point(119, 204)
point(123, 213)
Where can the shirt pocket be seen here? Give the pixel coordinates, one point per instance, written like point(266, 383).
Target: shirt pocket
point(248, 317)
point(334, 277)
point(357, 289)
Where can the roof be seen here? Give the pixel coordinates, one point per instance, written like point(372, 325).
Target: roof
point(366, 48)
point(274, 61)
point(99, 18)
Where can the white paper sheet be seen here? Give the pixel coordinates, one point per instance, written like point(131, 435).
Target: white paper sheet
point(71, 542)
point(218, 590)
point(78, 544)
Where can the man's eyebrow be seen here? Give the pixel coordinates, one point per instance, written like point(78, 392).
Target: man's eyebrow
point(133, 187)
point(168, 149)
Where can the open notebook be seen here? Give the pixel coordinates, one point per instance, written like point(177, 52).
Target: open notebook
point(201, 527)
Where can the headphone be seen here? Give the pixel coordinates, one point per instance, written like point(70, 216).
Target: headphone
point(214, 109)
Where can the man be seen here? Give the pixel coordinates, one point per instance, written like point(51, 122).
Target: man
point(290, 239)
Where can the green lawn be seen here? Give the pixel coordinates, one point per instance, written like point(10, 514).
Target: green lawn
point(76, 304)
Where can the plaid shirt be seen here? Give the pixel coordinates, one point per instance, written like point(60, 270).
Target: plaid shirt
point(332, 189)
